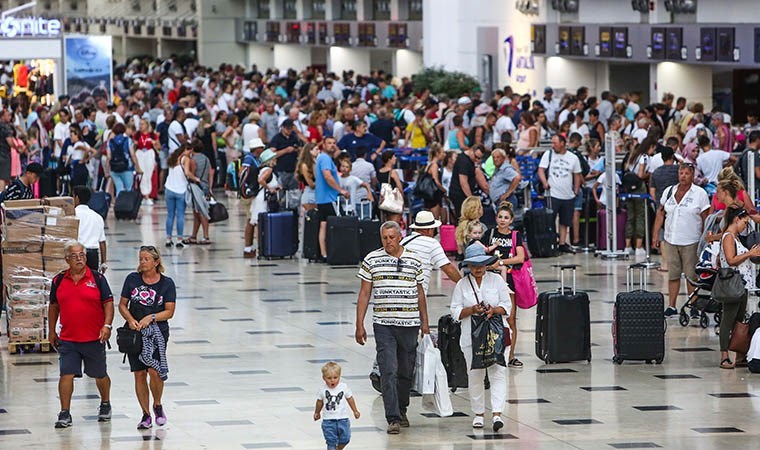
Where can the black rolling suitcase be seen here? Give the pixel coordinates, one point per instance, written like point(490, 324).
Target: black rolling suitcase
point(127, 204)
point(563, 328)
point(278, 234)
point(311, 236)
point(452, 357)
point(48, 181)
point(541, 232)
point(369, 237)
point(343, 241)
point(638, 327)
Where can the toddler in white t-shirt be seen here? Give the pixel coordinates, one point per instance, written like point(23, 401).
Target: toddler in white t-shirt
point(333, 402)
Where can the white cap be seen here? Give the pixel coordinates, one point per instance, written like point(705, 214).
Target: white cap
point(465, 100)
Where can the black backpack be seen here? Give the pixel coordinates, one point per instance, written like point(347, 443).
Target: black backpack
point(399, 120)
point(585, 168)
point(249, 185)
point(119, 147)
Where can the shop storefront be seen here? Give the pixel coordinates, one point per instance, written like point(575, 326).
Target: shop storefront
point(31, 55)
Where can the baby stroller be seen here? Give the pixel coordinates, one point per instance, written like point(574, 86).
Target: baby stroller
point(701, 299)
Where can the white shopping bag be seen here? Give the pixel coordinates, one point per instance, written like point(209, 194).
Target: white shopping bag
point(439, 401)
point(424, 344)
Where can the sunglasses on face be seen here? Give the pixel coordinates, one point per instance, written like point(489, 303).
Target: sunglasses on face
point(399, 264)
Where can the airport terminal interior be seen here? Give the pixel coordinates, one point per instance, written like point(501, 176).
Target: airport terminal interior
point(250, 336)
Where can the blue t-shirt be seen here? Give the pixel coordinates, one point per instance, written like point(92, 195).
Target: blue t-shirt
point(351, 142)
point(325, 192)
point(389, 92)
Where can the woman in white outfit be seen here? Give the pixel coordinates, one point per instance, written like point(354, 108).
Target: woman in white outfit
point(269, 184)
point(482, 292)
point(146, 146)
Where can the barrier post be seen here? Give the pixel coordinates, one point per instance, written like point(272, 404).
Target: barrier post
point(610, 185)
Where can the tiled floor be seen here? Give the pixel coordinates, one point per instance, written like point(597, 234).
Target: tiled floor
point(247, 346)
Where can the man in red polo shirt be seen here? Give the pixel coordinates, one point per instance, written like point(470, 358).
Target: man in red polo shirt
point(85, 304)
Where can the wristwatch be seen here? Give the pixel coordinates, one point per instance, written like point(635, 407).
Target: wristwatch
point(108, 325)
point(501, 263)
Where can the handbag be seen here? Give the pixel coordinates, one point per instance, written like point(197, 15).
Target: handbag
point(729, 285)
point(217, 212)
point(740, 338)
point(526, 291)
point(129, 341)
point(488, 343)
point(425, 188)
point(391, 199)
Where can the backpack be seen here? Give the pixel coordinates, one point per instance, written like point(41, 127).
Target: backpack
point(585, 168)
point(249, 185)
point(399, 120)
point(119, 147)
point(630, 181)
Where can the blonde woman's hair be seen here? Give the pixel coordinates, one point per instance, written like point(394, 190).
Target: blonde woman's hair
point(728, 174)
point(472, 210)
point(153, 251)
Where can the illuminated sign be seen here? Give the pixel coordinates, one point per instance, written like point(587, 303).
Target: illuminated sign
point(11, 27)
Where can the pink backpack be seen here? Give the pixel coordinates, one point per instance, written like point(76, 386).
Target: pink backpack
point(526, 291)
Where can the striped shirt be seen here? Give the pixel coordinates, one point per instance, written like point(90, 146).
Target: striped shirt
point(429, 252)
point(394, 287)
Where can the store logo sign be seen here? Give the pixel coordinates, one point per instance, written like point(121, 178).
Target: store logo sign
point(11, 27)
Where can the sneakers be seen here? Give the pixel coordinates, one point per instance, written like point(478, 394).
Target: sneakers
point(149, 202)
point(169, 243)
point(641, 253)
point(158, 411)
point(477, 422)
point(628, 251)
point(394, 428)
point(374, 378)
point(180, 244)
point(404, 421)
point(498, 424)
point(564, 248)
point(249, 255)
point(670, 312)
point(146, 423)
point(64, 419)
point(104, 412)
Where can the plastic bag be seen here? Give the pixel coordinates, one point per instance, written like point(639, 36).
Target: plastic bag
point(438, 402)
point(419, 367)
point(487, 341)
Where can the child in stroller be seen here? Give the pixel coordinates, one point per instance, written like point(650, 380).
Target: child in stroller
point(700, 301)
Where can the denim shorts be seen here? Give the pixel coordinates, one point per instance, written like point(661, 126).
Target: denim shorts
point(336, 431)
point(579, 201)
point(309, 196)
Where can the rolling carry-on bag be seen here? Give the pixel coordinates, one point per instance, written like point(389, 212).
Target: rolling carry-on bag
point(128, 203)
point(563, 328)
point(311, 235)
point(369, 237)
point(601, 229)
point(278, 234)
point(343, 240)
point(448, 238)
point(541, 232)
point(638, 326)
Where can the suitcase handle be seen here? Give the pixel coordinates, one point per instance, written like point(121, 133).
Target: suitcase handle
point(630, 278)
point(562, 269)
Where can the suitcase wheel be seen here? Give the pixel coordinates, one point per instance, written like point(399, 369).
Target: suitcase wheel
point(617, 360)
point(659, 360)
point(683, 319)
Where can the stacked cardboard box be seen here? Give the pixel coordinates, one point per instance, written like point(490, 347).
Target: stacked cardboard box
point(32, 253)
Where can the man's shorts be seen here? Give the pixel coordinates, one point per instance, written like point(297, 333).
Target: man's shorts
point(72, 354)
point(163, 158)
point(325, 210)
point(682, 259)
point(564, 210)
point(337, 432)
point(135, 365)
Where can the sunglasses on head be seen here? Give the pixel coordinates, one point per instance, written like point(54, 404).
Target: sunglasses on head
point(149, 248)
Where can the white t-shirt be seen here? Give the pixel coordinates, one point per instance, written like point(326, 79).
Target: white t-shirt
point(225, 100)
point(77, 151)
point(560, 173)
point(642, 161)
point(354, 187)
point(582, 130)
point(91, 228)
point(711, 163)
point(429, 252)
point(250, 132)
point(655, 162)
point(503, 125)
point(683, 221)
point(175, 130)
point(60, 133)
point(191, 124)
point(335, 401)
point(601, 180)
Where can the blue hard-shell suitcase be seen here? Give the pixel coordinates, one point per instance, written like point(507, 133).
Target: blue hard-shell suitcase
point(278, 234)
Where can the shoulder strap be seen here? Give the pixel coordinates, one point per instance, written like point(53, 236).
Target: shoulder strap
point(409, 239)
point(512, 251)
point(469, 278)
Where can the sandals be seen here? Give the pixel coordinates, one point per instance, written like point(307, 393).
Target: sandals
point(660, 269)
point(189, 241)
point(204, 241)
point(726, 364)
point(742, 363)
point(478, 421)
point(514, 362)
